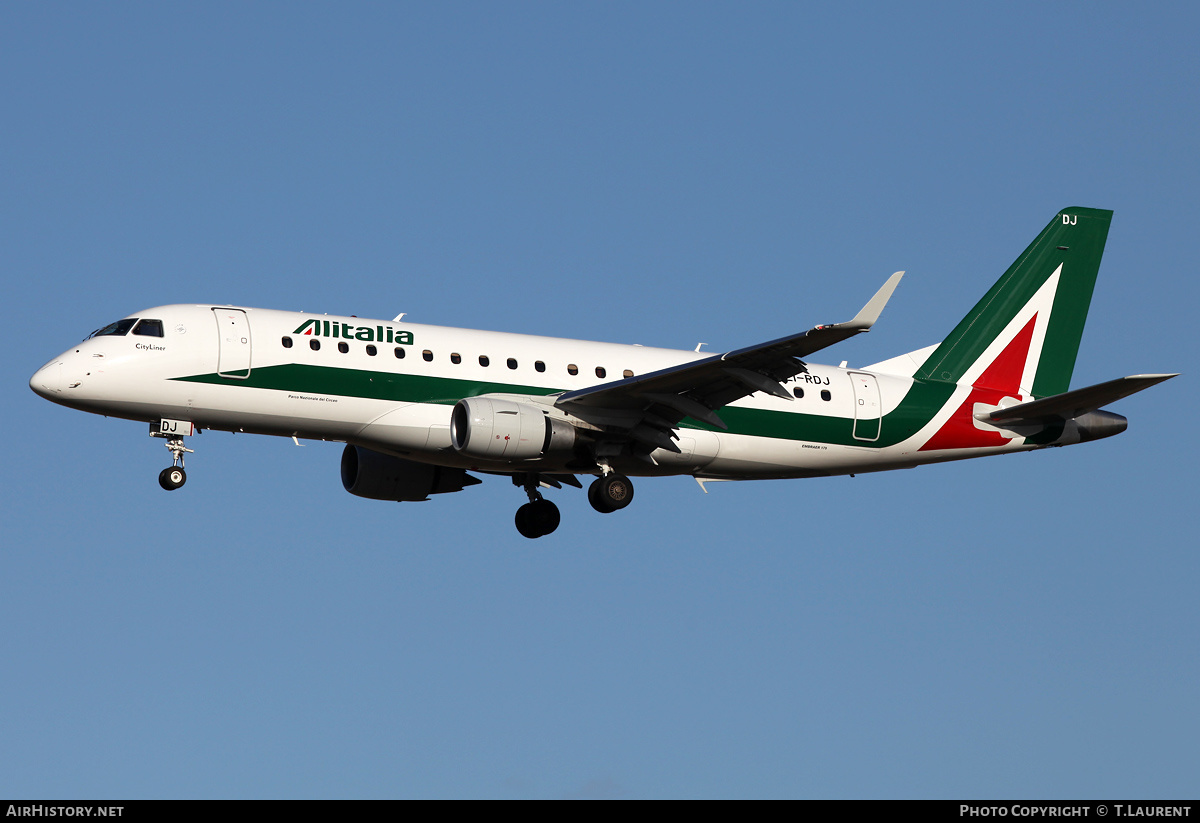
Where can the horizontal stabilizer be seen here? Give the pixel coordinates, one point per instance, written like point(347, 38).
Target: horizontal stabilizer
point(1072, 404)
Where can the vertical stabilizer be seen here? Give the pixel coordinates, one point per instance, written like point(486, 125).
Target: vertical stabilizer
point(1025, 331)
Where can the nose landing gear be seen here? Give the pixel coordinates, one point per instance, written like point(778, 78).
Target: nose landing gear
point(172, 477)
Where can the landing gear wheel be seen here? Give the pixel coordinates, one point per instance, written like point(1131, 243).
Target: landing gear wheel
point(172, 478)
point(610, 493)
point(537, 519)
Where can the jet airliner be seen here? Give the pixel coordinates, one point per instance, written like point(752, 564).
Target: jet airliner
point(419, 407)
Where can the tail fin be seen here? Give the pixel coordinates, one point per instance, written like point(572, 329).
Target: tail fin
point(1025, 331)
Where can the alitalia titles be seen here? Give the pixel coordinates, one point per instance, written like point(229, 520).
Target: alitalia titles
point(368, 334)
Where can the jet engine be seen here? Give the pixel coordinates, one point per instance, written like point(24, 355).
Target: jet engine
point(494, 428)
point(378, 476)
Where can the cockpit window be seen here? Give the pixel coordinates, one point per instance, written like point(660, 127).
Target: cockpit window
point(120, 328)
point(149, 328)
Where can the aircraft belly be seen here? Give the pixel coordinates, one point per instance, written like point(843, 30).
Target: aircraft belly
point(745, 456)
point(697, 449)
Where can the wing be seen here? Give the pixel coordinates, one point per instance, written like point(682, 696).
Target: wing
point(647, 408)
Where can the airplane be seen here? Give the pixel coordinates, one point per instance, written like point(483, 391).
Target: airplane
point(419, 406)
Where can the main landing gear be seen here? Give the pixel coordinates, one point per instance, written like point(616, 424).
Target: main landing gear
point(539, 516)
point(610, 492)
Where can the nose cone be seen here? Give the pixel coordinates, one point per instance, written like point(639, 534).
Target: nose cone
point(48, 380)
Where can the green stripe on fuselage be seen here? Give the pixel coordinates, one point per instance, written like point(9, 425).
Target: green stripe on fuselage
point(918, 407)
point(373, 385)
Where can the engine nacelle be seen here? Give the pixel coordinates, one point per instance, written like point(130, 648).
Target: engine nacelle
point(493, 428)
point(382, 477)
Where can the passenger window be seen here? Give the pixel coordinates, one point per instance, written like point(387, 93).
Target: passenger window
point(399, 353)
point(825, 395)
point(627, 373)
point(149, 328)
point(287, 342)
point(344, 348)
point(572, 369)
point(600, 372)
point(483, 360)
point(539, 366)
point(428, 355)
point(314, 344)
point(455, 358)
point(798, 392)
point(372, 351)
point(512, 362)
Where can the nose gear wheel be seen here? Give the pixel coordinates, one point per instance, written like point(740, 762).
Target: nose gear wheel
point(172, 477)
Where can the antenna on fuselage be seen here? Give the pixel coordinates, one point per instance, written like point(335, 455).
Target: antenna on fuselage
point(396, 319)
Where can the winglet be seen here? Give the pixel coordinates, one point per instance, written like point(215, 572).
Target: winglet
point(870, 312)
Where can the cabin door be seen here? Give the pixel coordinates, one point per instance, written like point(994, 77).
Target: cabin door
point(866, 406)
point(233, 342)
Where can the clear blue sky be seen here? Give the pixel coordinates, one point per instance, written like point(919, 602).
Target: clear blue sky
point(665, 174)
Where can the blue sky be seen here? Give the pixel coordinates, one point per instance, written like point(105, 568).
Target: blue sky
point(663, 174)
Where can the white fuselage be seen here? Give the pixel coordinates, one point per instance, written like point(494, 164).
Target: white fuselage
point(228, 368)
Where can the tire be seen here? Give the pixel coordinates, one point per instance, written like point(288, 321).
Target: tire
point(172, 477)
point(546, 516)
point(610, 493)
point(594, 498)
point(525, 522)
point(537, 519)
